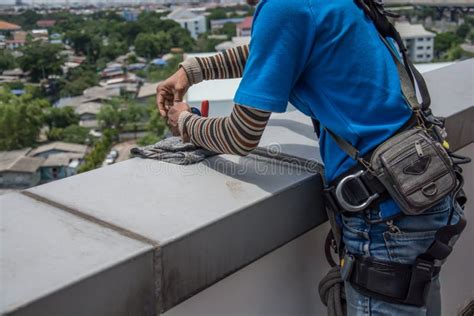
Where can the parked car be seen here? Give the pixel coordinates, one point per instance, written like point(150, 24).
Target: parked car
point(111, 157)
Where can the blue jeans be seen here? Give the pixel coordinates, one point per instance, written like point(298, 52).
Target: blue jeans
point(401, 240)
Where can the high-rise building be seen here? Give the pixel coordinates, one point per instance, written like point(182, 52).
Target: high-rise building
point(194, 23)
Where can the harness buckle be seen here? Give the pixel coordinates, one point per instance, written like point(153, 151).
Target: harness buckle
point(344, 203)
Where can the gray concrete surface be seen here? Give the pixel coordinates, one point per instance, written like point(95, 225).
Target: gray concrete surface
point(457, 276)
point(240, 193)
point(45, 250)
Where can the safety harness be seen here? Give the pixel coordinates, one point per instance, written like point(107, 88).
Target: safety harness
point(358, 190)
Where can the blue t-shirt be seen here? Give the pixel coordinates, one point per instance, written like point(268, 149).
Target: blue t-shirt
point(325, 58)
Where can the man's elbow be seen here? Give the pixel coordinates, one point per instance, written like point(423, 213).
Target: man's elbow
point(246, 150)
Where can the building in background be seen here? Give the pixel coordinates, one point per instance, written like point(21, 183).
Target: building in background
point(60, 159)
point(87, 113)
point(245, 27)
point(219, 24)
point(18, 170)
point(418, 41)
point(45, 24)
point(58, 148)
point(60, 166)
point(194, 23)
point(8, 28)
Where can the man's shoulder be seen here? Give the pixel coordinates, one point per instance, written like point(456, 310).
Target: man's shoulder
point(288, 5)
point(283, 9)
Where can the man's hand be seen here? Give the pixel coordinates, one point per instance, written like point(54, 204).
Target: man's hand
point(173, 116)
point(171, 91)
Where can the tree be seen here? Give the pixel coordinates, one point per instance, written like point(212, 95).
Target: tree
point(463, 30)
point(41, 60)
point(181, 38)
point(217, 14)
point(7, 61)
point(86, 43)
point(71, 134)
point(21, 120)
point(98, 153)
point(454, 53)
point(444, 41)
point(152, 45)
point(229, 29)
point(471, 37)
point(60, 117)
point(206, 44)
point(79, 79)
point(134, 114)
point(111, 116)
point(156, 124)
point(113, 48)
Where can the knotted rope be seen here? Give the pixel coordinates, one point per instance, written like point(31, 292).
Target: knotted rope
point(331, 292)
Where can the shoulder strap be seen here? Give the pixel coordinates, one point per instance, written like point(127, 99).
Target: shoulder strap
point(405, 71)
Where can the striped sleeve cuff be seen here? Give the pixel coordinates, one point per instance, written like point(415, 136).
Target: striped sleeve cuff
point(193, 70)
point(182, 119)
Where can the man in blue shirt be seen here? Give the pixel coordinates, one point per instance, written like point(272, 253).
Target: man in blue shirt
point(325, 58)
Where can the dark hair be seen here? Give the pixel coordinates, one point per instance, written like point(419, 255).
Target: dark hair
point(252, 2)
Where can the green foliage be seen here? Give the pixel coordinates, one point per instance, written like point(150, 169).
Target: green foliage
point(153, 45)
point(41, 60)
point(55, 134)
point(463, 30)
point(111, 115)
point(13, 85)
point(134, 114)
point(454, 53)
point(71, 134)
point(156, 124)
point(98, 153)
point(7, 61)
point(21, 119)
point(149, 139)
point(85, 43)
point(132, 59)
point(206, 44)
point(79, 79)
point(470, 37)
point(445, 41)
point(181, 38)
point(217, 14)
point(60, 117)
point(229, 29)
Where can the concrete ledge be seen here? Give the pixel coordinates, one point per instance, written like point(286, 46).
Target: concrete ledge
point(54, 263)
point(149, 235)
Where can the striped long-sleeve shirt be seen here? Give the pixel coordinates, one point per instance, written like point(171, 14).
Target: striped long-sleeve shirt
point(238, 133)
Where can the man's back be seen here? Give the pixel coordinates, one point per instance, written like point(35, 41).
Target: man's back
point(325, 57)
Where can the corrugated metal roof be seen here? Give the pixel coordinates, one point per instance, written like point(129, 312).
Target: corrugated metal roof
point(17, 161)
point(88, 107)
point(408, 30)
point(61, 146)
point(5, 26)
point(61, 160)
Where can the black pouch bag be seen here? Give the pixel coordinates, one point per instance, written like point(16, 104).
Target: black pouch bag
point(415, 169)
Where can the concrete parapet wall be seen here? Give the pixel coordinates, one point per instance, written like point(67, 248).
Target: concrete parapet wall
point(141, 237)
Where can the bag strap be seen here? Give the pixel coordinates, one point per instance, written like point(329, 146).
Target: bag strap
point(405, 72)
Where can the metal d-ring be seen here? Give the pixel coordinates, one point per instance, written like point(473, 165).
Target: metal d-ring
point(346, 205)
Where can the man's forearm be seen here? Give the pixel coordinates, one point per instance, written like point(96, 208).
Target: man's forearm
point(226, 65)
point(236, 134)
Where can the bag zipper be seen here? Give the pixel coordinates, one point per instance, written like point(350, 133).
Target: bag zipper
point(408, 152)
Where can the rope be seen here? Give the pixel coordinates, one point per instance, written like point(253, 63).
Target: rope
point(331, 292)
